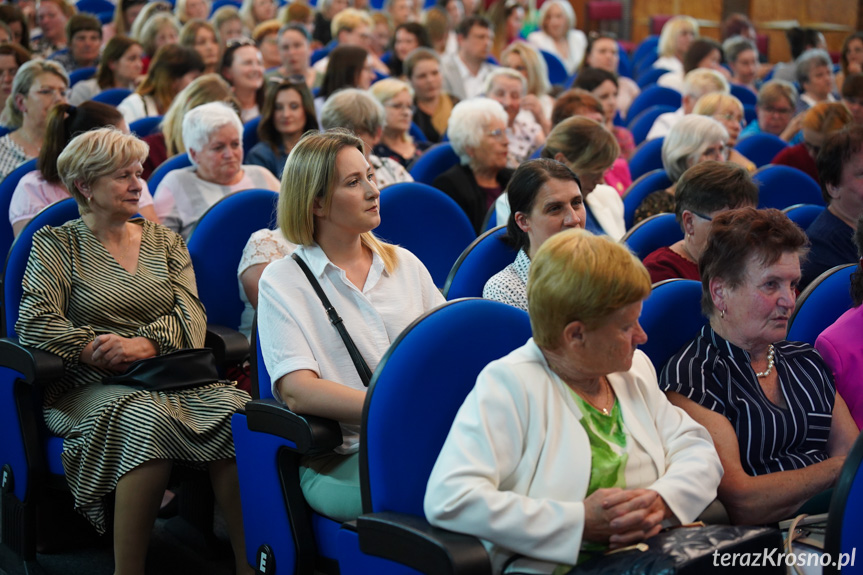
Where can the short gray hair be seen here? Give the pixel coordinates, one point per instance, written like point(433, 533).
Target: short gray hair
point(201, 123)
point(688, 139)
point(27, 74)
point(501, 72)
point(353, 109)
point(810, 59)
point(468, 122)
point(736, 45)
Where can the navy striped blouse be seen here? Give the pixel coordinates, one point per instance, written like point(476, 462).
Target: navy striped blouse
point(717, 375)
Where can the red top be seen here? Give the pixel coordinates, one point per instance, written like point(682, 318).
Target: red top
point(797, 157)
point(664, 264)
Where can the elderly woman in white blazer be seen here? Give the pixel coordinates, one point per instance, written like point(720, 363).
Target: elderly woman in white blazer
point(566, 447)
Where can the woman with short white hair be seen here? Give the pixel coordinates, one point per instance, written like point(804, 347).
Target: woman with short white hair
point(692, 140)
point(477, 132)
point(524, 132)
point(558, 34)
point(212, 134)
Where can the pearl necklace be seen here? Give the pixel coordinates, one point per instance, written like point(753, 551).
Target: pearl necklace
point(769, 370)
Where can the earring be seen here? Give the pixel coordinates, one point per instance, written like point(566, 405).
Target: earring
point(722, 313)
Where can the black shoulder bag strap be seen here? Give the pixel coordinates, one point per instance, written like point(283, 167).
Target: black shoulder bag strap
point(360, 363)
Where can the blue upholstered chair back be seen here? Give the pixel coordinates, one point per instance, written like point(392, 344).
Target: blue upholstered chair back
point(173, 163)
point(640, 189)
point(845, 522)
point(650, 76)
point(216, 246)
point(640, 125)
point(557, 74)
point(112, 96)
point(655, 232)
point(484, 257)
point(646, 158)
point(54, 215)
point(746, 96)
point(145, 126)
point(654, 96)
point(822, 302)
point(434, 161)
point(427, 222)
point(783, 186)
point(671, 317)
point(646, 49)
point(81, 74)
point(7, 189)
point(417, 389)
point(250, 134)
point(761, 148)
point(803, 214)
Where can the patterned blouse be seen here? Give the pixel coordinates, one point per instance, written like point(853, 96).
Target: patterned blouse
point(509, 285)
point(716, 374)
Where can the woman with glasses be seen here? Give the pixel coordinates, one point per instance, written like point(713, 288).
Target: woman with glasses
point(397, 98)
point(703, 192)
point(38, 86)
point(819, 121)
point(777, 100)
point(728, 111)
point(692, 140)
point(289, 112)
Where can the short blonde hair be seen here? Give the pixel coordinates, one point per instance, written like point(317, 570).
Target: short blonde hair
point(537, 71)
point(672, 29)
point(387, 89)
point(710, 104)
point(577, 276)
point(772, 91)
point(310, 175)
point(587, 145)
point(96, 154)
point(23, 81)
point(348, 19)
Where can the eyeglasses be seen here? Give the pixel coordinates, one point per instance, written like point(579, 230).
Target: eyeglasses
point(51, 92)
point(716, 152)
point(780, 111)
point(702, 216)
point(730, 118)
point(402, 107)
point(499, 134)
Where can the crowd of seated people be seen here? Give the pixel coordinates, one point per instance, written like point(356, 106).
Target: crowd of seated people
point(340, 102)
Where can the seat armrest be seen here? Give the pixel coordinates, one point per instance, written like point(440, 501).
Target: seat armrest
point(412, 541)
point(38, 367)
point(228, 345)
point(310, 434)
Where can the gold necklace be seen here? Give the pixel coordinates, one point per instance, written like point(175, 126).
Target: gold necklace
point(604, 410)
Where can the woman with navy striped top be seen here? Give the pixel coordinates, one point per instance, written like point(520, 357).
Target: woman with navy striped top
point(781, 430)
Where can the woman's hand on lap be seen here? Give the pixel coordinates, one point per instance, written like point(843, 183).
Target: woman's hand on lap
point(111, 351)
point(622, 517)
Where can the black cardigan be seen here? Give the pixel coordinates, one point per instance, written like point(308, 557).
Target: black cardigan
point(459, 183)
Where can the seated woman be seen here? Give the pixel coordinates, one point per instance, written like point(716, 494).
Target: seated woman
point(704, 53)
point(850, 58)
point(839, 344)
point(213, 135)
point(692, 140)
point(349, 67)
point(125, 13)
point(527, 61)
point(433, 105)
point(295, 50)
point(781, 430)
point(852, 96)
point(38, 86)
point(168, 141)
point(243, 68)
point(544, 199)
point(578, 391)
point(12, 57)
point(52, 16)
point(356, 110)
point(120, 67)
point(507, 19)
point(524, 133)
point(477, 132)
point(172, 69)
point(676, 37)
point(408, 37)
point(289, 112)
point(603, 85)
point(703, 192)
point(200, 36)
point(329, 206)
point(742, 57)
point(603, 52)
point(104, 291)
point(85, 40)
point(728, 111)
point(559, 35)
point(818, 123)
point(157, 30)
point(43, 186)
point(832, 233)
point(396, 143)
point(777, 100)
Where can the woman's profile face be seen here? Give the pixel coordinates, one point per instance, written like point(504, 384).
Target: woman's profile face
point(404, 44)
point(426, 80)
point(220, 159)
point(366, 75)
point(757, 310)
point(610, 347)
point(129, 66)
point(604, 55)
point(493, 148)
point(716, 151)
point(514, 23)
point(399, 112)
point(711, 61)
point(354, 208)
point(132, 13)
point(684, 40)
point(558, 206)
point(606, 93)
point(8, 69)
point(289, 115)
point(847, 197)
point(854, 53)
point(556, 24)
point(731, 118)
point(516, 62)
point(117, 193)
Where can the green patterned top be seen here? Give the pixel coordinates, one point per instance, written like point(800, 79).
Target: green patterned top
point(608, 459)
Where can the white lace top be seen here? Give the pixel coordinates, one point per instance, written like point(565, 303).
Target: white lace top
point(264, 247)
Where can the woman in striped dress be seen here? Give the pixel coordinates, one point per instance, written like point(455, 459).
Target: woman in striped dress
point(781, 430)
point(101, 292)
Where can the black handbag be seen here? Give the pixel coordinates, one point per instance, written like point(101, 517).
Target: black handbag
point(695, 550)
point(181, 369)
point(359, 363)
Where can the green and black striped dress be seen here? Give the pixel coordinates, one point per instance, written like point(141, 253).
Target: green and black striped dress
point(75, 290)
